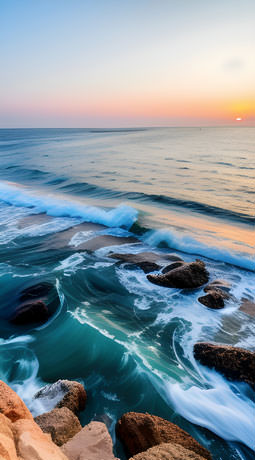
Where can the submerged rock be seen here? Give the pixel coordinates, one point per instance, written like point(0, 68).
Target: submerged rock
point(235, 363)
point(30, 312)
point(36, 291)
point(139, 432)
point(248, 307)
point(144, 260)
point(11, 405)
point(218, 284)
point(213, 299)
point(63, 393)
point(172, 266)
point(188, 275)
point(61, 424)
point(168, 451)
point(93, 442)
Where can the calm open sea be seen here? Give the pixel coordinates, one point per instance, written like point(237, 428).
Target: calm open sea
point(188, 191)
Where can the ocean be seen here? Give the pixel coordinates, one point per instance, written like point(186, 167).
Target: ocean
point(68, 197)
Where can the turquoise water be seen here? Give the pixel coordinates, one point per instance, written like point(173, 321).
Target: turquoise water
point(68, 198)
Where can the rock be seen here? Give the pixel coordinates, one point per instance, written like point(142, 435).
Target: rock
point(31, 312)
point(145, 260)
point(139, 432)
point(11, 405)
point(235, 363)
point(213, 299)
point(36, 291)
point(62, 424)
point(33, 444)
point(93, 442)
point(64, 393)
point(218, 284)
point(248, 307)
point(168, 451)
point(170, 267)
point(7, 445)
point(189, 275)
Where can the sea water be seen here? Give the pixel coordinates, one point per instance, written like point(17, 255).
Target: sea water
point(187, 191)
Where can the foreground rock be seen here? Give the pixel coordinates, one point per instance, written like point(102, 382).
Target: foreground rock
point(213, 299)
point(7, 444)
point(93, 442)
point(61, 424)
point(11, 405)
point(139, 432)
point(235, 363)
point(33, 444)
point(31, 312)
point(63, 393)
point(168, 451)
point(187, 276)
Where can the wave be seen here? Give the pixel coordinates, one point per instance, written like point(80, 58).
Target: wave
point(190, 245)
point(121, 216)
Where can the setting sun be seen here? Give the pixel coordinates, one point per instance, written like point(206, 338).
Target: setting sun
point(239, 119)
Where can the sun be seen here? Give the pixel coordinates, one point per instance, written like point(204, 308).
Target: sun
point(239, 119)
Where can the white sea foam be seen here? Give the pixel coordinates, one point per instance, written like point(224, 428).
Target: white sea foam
point(121, 216)
point(190, 245)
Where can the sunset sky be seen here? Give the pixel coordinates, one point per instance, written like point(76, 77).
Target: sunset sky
point(106, 63)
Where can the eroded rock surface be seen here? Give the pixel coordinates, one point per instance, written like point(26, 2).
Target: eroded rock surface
point(187, 276)
point(138, 432)
point(235, 363)
point(61, 424)
point(11, 405)
point(168, 451)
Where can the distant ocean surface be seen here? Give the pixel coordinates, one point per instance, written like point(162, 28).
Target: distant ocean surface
point(187, 191)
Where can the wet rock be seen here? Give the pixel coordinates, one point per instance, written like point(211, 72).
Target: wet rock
point(61, 424)
point(145, 260)
point(93, 442)
point(170, 267)
point(138, 432)
point(7, 444)
point(36, 291)
point(189, 275)
point(218, 284)
point(33, 444)
point(248, 307)
point(30, 313)
point(63, 393)
point(213, 299)
point(11, 405)
point(168, 451)
point(235, 363)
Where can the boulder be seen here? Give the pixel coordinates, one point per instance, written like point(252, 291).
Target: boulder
point(213, 299)
point(61, 424)
point(11, 405)
point(33, 444)
point(145, 260)
point(63, 393)
point(235, 363)
point(37, 291)
point(138, 432)
point(189, 275)
point(7, 444)
point(30, 312)
point(168, 451)
point(93, 442)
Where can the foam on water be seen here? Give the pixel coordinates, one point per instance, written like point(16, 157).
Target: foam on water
point(121, 216)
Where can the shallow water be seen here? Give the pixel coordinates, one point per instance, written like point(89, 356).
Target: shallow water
point(187, 191)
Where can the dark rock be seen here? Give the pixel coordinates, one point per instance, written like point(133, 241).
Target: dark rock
point(218, 284)
point(235, 363)
point(189, 275)
point(64, 393)
point(145, 260)
point(213, 299)
point(168, 451)
point(62, 424)
point(30, 312)
point(170, 267)
point(35, 292)
point(139, 432)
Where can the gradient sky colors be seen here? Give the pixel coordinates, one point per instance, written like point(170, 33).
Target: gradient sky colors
point(104, 63)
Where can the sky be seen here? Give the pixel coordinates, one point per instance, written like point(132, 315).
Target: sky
point(120, 63)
